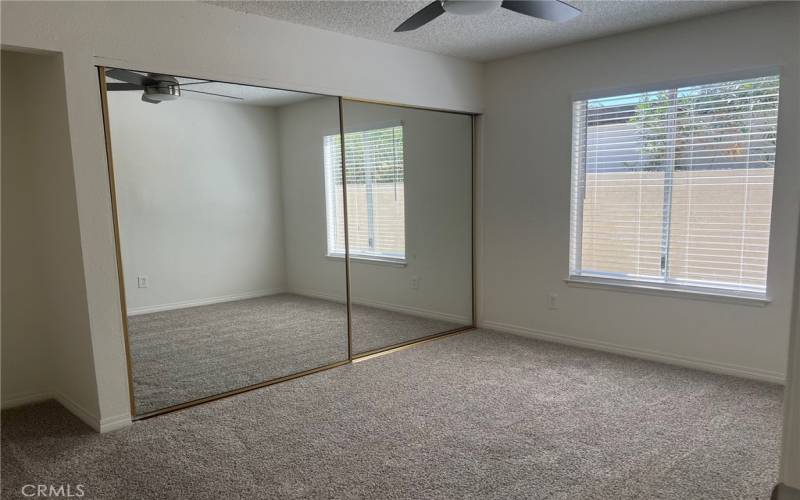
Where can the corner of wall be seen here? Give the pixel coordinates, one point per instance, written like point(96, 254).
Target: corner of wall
point(101, 425)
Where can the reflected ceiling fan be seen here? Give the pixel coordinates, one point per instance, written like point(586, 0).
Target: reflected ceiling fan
point(156, 87)
point(551, 10)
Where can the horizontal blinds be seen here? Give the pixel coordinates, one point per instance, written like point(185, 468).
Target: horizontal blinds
point(334, 203)
point(675, 185)
point(375, 192)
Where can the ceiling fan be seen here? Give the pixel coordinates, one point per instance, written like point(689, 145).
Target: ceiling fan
point(551, 10)
point(156, 87)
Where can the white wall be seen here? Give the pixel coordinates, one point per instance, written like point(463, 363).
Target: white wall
point(302, 127)
point(46, 345)
point(437, 163)
point(25, 372)
point(199, 200)
point(525, 199)
point(194, 39)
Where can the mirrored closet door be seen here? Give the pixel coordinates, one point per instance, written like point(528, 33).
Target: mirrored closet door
point(409, 213)
point(220, 194)
point(266, 234)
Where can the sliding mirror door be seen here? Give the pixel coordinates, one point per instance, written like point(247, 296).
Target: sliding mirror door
point(220, 200)
point(409, 212)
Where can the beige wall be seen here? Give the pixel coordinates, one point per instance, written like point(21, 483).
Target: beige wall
point(46, 346)
point(525, 195)
point(605, 244)
point(608, 229)
point(389, 201)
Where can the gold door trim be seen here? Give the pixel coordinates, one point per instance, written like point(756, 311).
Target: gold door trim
point(408, 106)
point(349, 303)
point(112, 184)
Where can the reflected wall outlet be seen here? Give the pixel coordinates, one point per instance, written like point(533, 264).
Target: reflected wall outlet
point(415, 282)
point(142, 281)
point(552, 301)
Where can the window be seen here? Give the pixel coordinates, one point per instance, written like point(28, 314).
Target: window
point(674, 186)
point(375, 193)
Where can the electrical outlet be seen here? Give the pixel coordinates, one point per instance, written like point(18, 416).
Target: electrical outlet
point(552, 301)
point(415, 282)
point(142, 281)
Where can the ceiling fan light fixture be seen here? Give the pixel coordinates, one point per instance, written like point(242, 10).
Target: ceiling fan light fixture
point(470, 7)
point(162, 92)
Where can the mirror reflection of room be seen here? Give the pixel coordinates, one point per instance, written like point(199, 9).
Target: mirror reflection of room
point(213, 190)
point(409, 210)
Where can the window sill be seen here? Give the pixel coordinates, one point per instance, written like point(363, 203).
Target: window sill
point(378, 261)
point(713, 295)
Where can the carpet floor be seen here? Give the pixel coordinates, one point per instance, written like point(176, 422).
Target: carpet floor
point(187, 354)
point(475, 415)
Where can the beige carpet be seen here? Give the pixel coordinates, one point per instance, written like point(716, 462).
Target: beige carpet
point(191, 353)
point(478, 415)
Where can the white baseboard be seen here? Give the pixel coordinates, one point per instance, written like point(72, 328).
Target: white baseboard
point(25, 399)
point(100, 425)
point(315, 294)
point(413, 311)
point(672, 359)
point(114, 423)
point(135, 311)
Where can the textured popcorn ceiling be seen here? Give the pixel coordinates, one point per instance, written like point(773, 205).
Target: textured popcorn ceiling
point(499, 34)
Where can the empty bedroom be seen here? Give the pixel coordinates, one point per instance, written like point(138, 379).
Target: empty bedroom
point(400, 249)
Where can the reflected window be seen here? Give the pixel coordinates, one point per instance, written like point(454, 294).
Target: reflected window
point(375, 193)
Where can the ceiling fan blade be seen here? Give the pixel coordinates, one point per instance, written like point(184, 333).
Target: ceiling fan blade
point(123, 86)
point(422, 17)
point(551, 10)
point(127, 76)
point(211, 93)
point(151, 101)
point(196, 83)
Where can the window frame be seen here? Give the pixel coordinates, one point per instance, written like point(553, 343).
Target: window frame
point(576, 276)
point(367, 258)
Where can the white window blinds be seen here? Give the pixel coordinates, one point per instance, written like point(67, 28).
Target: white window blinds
point(375, 193)
point(675, 186)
